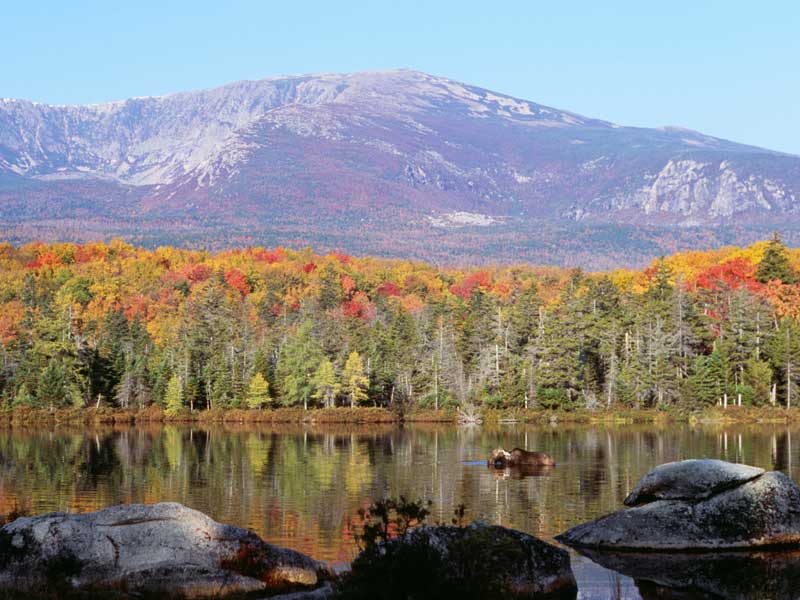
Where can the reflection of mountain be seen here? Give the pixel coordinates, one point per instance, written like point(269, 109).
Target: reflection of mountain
point(732, 575)
point(394, 163)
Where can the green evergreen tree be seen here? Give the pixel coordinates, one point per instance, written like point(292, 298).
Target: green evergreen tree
point(661, 285)
point(326, 387)
point(24, 397)
point(56, 389)
point(523, 317)
point(298, 361)
point(758, 378)
point(775, 263)
point(219, 383)
point(705, 382)
point(173, 398)
point(783, 353)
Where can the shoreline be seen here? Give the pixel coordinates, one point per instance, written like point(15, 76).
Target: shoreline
point(23, 417)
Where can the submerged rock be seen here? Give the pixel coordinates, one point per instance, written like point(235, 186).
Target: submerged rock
point(757, 512)
point(690, 480)
point(161, 549)
point(478, 561)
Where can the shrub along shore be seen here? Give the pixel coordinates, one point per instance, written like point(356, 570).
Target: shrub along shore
point(24, 417)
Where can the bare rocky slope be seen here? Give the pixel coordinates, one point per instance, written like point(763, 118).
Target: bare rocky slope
point(395, 163)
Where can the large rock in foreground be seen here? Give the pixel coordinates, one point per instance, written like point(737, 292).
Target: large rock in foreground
point(478, 561)
point(161, 549)
point(758, 511)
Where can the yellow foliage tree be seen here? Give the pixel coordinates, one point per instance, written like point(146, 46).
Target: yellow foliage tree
point(355, 382)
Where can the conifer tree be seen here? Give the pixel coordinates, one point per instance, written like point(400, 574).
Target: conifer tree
point(173, 398)
point(705, 381)
point(23, 396)
point(758, 378)
point(784, 355)
point(298, 361)
point(775, 264)
point(326, 388)
point(355, 382)
point(257, 392)
point(56, 387)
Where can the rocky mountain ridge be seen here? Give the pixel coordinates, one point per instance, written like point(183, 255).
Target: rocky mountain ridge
point(394, 150)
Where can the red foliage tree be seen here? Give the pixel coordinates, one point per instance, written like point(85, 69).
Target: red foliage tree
point(238, 281)
point(389, 288)
point(45, 259)
point(196, 273)
point(480, 279)
point(730, 275)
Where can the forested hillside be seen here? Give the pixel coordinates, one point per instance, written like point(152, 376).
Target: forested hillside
point(114, 325)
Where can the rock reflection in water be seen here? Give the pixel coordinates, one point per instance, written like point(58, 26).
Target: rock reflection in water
point(721, 575)
point(521, 472)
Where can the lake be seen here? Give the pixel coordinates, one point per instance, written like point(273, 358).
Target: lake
point(299, 486)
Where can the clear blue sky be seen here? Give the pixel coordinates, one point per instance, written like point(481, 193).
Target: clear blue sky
point(727, 68)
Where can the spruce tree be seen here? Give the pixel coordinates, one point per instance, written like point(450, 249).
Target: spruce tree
point(758, 378)
point(706, 380)
point(298, 361)
point(775, 264)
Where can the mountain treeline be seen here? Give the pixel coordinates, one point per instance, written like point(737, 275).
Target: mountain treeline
point(114, 325)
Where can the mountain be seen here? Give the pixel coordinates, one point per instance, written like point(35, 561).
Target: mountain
point(398, 163)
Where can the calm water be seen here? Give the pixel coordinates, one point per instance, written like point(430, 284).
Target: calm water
point(298, 486)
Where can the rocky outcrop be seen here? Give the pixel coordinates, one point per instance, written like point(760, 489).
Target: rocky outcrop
point(690, 188)
point(161, 549)
point(478, 561)
point(699, 505)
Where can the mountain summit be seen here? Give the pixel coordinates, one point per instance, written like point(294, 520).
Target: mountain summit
point(393, 163)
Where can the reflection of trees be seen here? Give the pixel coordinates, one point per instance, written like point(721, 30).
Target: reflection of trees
point(100, 460)
point(298, 485)
point(782, 452)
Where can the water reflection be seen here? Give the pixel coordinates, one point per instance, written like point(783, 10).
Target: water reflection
point(299, 486)
point(728, 575)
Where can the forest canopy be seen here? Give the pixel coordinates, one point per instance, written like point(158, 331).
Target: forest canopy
point(125, 327)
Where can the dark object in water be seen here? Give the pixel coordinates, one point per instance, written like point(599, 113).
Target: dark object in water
point(500, 458)
point(520, 471)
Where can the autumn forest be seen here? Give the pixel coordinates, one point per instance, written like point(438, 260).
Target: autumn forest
point(122, 327)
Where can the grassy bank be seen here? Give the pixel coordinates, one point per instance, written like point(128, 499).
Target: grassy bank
point(21, 417)
point(26, 417)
